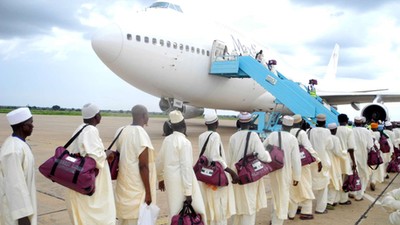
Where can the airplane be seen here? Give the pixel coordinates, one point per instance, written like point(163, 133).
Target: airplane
point(168, 54)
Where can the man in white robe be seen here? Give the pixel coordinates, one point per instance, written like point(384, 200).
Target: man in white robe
point(336, 182)
point(175, 169)
point(392, 139)
point(219, 201)
point(289, 175)
point(251, 197)
point(98, 208)
point(348, 161)
point(136, 181)
point(17, 172)
point(320, 138)
point(378, 174)
point(302, 194)
point(364, 142)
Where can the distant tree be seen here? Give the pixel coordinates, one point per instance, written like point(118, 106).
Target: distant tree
point(56, 107)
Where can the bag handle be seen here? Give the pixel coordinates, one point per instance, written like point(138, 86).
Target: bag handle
point(75, 136)
point(203, 149)
point(115, 139)
point(297, 133)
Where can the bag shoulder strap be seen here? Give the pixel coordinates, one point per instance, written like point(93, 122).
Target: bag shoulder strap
point(297, 133)
point(280, 139)
point(203, 149)
point(246, 146)
point(75, 136)
point(115, 139)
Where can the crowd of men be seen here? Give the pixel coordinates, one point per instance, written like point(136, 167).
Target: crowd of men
point(339, 150)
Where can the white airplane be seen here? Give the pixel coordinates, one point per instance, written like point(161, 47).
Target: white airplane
point(168, 54)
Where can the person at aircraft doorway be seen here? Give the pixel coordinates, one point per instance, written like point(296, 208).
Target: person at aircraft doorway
point(260, 56)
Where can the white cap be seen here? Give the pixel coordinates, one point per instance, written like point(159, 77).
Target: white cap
point(358, 119)
point(287, 121)
point(245, 117)
point(89, 110)
point(388, 124)
point(321, 117)
point(18, 115)
point(297, 118)
point(175, 116)
point(210, 118)
point(332, 126)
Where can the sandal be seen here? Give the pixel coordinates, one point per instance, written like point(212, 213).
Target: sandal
point(324, 212)
point(306, 217)
point(348, 202)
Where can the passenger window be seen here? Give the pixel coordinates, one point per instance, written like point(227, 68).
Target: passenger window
point(161, 42)
point(181, 46)
point(154, 41)
point(202, 52)
point(175, 45)
point(168, 44)
point(187, 48)
point(129, 37)
point(138, 38)
point(192, 49)
point(198, 51)
point(208, 53)
point(146, 39)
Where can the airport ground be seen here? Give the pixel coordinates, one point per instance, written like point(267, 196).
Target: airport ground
point(52, 131)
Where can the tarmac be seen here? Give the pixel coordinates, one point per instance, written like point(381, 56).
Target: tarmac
point(52, 131)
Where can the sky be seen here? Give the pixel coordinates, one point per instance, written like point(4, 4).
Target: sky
point(46, 56)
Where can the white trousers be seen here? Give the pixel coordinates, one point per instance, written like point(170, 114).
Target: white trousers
point(244, 219)
point(321, 197)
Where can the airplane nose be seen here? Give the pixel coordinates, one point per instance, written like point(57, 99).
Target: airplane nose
point(107, 43)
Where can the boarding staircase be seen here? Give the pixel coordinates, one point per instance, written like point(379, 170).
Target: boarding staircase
point(287, 92)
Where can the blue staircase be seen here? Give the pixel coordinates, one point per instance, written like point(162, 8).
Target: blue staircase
point(286, 92)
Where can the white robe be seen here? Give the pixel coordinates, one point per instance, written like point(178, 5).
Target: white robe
point(100, 207)
point(250, 198)
point(129, 189)
point(282, 179)
point(346, 137)
point(364, 142)
point(391, 202)
point(220, 201)
point(175, 168)
point(335, 154)
point(378, 175)
point(17, 182)
point(321, 141)
point(303, 190)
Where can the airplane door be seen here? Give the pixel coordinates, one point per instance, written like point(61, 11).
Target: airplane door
point(219, 48)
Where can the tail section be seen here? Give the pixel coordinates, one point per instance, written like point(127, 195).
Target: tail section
point(332, 66)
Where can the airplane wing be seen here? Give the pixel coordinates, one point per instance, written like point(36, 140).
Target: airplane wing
point(341, 98)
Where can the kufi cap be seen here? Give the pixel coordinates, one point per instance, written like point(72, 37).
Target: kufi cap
point(89, 110)
point(321, 117)
point(374, 125)
point(388, 124)
point(358, 119)
point(297, 118)
point(175, 116)
point(287, 121)
point(210, 118)
point(363, 119)
point(245, 117)
point(18, 115)
point(332, 126)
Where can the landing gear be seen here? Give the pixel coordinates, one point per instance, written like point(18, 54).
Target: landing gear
point(167, 129)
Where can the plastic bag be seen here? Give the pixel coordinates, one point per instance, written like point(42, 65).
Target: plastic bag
point(148, 214)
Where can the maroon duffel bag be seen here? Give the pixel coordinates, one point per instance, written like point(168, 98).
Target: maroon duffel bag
point(71, 170)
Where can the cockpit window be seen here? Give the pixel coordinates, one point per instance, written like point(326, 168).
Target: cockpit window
point(166, 5)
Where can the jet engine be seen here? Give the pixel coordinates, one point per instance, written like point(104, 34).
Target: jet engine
point(375, 112)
